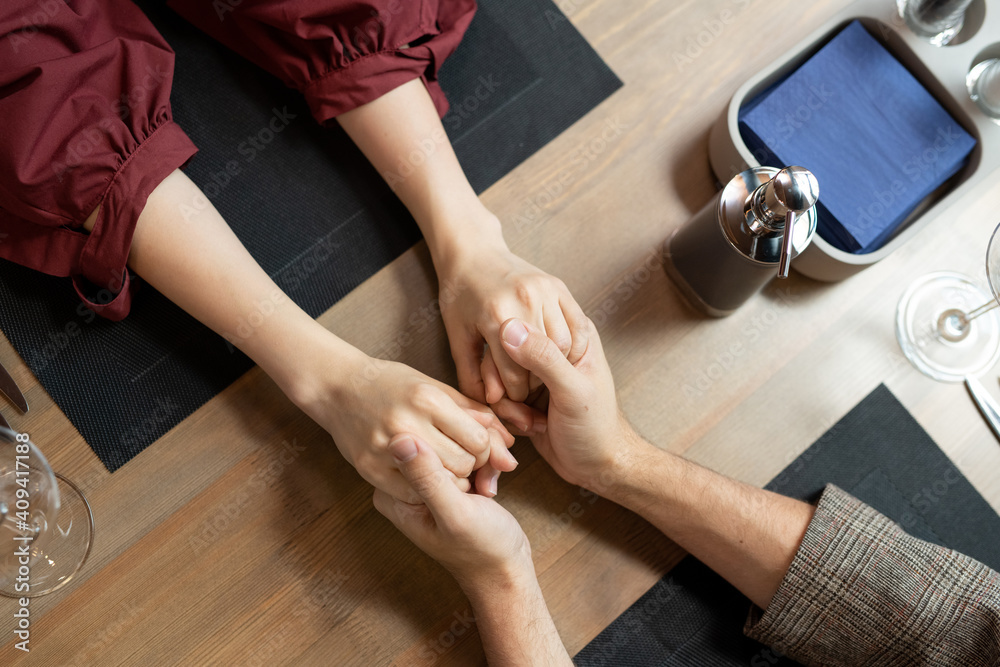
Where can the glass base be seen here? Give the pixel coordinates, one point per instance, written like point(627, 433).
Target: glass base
point(938, 353)
point(938, 33)
point(57, 558)
point(983, 81)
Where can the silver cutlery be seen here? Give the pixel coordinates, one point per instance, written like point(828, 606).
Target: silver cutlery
point(10, 389)
point(987, 404)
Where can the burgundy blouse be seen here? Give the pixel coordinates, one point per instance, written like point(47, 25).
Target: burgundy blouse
point(85, 107)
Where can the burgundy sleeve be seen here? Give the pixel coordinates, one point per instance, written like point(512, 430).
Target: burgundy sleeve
point(339, 53)
point(84, 122)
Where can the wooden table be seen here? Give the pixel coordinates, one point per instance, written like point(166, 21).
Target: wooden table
point(243, 538)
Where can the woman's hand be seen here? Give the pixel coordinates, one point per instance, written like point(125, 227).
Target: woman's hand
point(362, 402)
point(483, 285)
point(482, 282)
point(366, 401)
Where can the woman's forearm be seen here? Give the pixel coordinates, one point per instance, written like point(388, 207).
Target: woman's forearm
point(189, 253)
point(402, 136)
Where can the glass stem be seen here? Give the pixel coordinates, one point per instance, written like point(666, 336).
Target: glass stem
point(982, 310)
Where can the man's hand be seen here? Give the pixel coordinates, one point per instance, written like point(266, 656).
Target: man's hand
point(486, 285)
point(484, 548)
point(587, 441)
point(747, 535)
point(473, 537)
point(373, 400)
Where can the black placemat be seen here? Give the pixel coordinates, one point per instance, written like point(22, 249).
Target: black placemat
point(304, 201)
point(879, 454)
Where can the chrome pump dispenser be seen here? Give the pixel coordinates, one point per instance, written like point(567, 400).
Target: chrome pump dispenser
point(745, 236)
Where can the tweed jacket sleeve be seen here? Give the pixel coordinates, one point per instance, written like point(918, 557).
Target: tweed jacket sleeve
point(860, 591)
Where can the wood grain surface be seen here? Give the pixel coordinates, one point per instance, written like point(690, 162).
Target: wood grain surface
point(243, 538)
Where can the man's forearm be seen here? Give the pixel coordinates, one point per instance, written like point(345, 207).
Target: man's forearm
point(747, 535)
point(514, 623)
point(401, 135)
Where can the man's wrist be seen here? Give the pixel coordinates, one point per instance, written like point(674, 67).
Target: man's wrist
point(512, 581)
point(636, 472)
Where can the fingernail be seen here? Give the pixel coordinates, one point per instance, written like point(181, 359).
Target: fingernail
point(511, 457)
point(493, 481)
point(539, 427)
point(515, 333)
point(521, 426)
point(403, 450)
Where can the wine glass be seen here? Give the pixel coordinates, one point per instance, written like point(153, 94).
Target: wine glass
point(937, 21)
point(46, 525)
point(947, 325)
point(983, 82)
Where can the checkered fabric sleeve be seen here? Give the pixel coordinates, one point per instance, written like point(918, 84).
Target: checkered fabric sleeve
point(860, 591)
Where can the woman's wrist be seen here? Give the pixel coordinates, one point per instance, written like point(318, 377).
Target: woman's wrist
point(314, 366)
point(455, 238)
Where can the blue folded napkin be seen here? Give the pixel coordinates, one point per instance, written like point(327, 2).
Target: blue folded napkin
point(877, 141)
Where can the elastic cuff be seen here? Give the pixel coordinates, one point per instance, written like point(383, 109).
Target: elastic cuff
point(119, 304)
point(105, 254)
point(366, 79)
